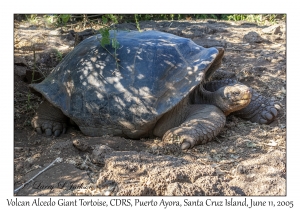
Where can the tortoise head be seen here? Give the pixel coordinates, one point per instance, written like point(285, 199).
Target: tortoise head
point(233, 97)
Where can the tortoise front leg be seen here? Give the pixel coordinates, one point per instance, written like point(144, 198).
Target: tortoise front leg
point(202, 123)
point(260, 110)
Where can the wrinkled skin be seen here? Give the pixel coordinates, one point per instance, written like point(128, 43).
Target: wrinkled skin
point(197, 123)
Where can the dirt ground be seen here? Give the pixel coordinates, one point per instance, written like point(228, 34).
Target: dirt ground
point(245, 159)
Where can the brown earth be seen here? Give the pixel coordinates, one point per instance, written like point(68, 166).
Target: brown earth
point(245, 158)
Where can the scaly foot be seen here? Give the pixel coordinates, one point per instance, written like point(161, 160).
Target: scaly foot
point(260, 110)
point(49, 120)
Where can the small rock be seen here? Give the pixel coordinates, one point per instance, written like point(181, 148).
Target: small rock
point(99, 153)
point(252, 37)
point(272, 30)
point(249, 176)
point(20, 61)
point(81, 145)
point(273, 61)
point(154, 147)
point(268, 58)
point(107, 192)
point(55, 32)
point(272, 143)
point(20, 67)
point(241, 169)
point(260, 68)
point(18, 149)
point(211, 21)
point(20, 71)
point(70, 161)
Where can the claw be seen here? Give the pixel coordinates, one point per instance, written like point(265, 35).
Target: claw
point(274, 112)
point(263, 121)
point(185, 145)
point(48, 132)
point(277, 106)
point(268, 116)
point(57, 133)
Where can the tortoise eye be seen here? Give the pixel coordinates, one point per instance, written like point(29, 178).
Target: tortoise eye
point(236, 93)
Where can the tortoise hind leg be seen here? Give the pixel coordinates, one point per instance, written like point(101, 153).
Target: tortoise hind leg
point(49, 119)
point(201, 125)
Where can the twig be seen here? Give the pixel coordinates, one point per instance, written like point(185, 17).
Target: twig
point(23, 185)
point(115, 57)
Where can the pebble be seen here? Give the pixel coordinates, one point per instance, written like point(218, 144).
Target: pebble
point(18, 148)
point(250, 176)
point(252, 37)
point(273, 61)
point(99, 153)
point(154, 147)
point(80, 144)
point(241, 169)
point(107, 192)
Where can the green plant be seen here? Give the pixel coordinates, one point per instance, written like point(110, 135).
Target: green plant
point(64, 18)
point(57, 19)
point(237, 17)
point(59, 55)
point(106, 39)
point(201, 16)
point(257, 18)
point(148, 17)
point(50, 19)
point(31, 18)
point(271, 18)
point(137, 22)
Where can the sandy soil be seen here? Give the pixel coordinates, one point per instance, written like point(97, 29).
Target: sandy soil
point(245, 159)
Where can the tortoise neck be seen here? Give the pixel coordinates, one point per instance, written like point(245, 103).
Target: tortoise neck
point(205, 96)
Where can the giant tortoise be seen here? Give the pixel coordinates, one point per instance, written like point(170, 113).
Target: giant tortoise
point(154, 84)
